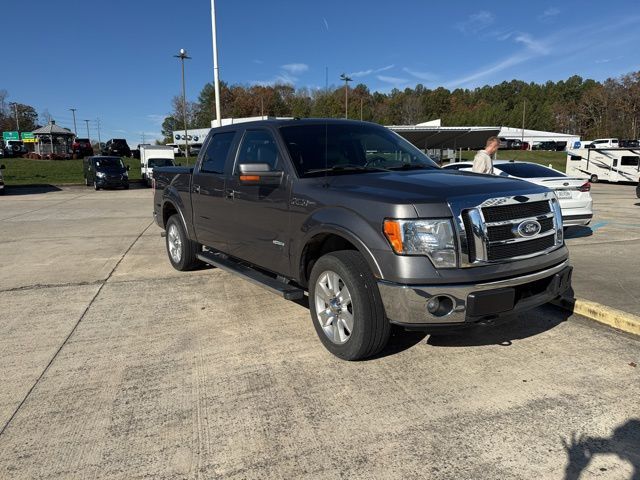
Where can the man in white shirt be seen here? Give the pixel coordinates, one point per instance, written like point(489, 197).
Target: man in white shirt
point(482, 162)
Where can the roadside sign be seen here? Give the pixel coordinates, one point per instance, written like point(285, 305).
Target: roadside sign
point(27, 137)
point(6, 136)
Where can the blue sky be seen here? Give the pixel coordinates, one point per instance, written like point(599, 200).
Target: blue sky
point(113, 59)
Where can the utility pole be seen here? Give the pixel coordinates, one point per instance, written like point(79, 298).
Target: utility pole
point(15, 109)
point(75, 129)
point(346, 93)
point(183, 56)
point(524, 110)
point(88, 136)
point(98, 125)
point(142, 138)
point(361, 103)
point(216, 72)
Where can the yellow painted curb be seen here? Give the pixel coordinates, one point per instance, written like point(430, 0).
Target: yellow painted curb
point(612, 317)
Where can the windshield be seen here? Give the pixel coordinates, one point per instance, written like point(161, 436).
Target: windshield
point(160, 162)
point(528, 170)
point(331, 148)
point(109, 162)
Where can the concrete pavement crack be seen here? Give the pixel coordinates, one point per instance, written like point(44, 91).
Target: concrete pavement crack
point(84, 313)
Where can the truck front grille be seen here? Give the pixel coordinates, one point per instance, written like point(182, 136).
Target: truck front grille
point(503, 213)
point(505, 232)
point(490, 233)
point(510, 250)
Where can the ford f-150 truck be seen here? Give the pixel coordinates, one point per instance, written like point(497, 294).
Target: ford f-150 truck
point(366, 225)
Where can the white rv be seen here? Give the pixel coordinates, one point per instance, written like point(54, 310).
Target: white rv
point(154, 156)
point(608, 164)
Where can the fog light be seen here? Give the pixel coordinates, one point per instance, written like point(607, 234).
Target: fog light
point(432, 306)
point(440, 306)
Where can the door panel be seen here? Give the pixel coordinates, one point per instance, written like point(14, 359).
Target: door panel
point(207, 191)
point(259, 214)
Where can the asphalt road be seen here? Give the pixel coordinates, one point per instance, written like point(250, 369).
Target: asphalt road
point(113, 365)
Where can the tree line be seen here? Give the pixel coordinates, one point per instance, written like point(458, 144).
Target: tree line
point(585, 107)
point(27, 117)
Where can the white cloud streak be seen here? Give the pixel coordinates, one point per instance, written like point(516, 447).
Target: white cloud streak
point(426, 76)
point(295, 68)
point(392, 80)
point(476, 22)
point(364, 73)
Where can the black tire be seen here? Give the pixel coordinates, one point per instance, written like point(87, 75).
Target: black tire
point(371, 329)
point(188, 248)
point(95, 185)
point(126, 186)
point(594, 179)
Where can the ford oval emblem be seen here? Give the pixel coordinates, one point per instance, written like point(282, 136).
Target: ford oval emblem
point(528, 228)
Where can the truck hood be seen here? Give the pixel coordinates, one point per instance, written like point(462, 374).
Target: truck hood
point(428, 187)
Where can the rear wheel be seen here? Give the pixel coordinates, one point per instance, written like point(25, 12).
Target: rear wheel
point(594, 179)
point(346, 307)
point(181, 249)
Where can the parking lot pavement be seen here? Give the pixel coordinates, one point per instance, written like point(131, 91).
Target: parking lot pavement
point(606, 254)
point(123, 368)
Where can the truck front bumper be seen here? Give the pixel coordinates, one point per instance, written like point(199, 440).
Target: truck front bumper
point(472, 303)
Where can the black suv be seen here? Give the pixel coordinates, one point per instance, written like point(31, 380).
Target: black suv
point(117, 146)
point(81, 148)
point(105, 172)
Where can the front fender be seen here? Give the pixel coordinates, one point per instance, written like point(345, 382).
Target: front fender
point(349, 225)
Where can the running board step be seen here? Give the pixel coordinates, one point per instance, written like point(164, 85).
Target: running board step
point(288, 292)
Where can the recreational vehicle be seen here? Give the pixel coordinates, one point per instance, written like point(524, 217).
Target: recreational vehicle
point(604, 164)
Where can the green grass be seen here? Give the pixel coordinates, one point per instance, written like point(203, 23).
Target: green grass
point(558, 160)
point(22, 171)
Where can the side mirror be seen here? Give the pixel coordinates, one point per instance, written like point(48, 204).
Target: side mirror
point(259, 174)
point(128, 168)
point(178, 164)
point(2, 167)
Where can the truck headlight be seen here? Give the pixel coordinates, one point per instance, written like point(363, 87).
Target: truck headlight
point(101, 174)
point(432, 238)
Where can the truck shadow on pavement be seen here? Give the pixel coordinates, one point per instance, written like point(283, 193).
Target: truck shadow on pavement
point(504, 332)
point(578, 232)
point(15, 190)
point(625, 443)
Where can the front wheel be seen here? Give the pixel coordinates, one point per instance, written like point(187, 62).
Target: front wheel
point(346, 307)
point(181, 249)
point(95, 185)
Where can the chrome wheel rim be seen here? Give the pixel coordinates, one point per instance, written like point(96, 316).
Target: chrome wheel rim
point(334, 308)
point(174, 243)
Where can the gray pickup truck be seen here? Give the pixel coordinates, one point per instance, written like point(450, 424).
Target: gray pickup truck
point(366, 225)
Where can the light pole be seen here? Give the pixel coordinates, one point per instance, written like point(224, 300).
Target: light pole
point(99, 141)
point(183, 56)
point(88, 136)
point(524, 110)
point(346, 93)
point(75, 129)
point(15, 109)
point(216, 78)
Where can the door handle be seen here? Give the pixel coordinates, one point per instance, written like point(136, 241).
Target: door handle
point(196, 188)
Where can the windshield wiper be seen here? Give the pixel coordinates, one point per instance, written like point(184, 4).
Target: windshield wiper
point(348, 167)
point(411, 166)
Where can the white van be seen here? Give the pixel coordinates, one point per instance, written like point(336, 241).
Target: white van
point(154, 156)
point(604, 143)
point(611, 165)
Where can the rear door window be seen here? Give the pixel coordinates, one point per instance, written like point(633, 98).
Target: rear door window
point(217, 152)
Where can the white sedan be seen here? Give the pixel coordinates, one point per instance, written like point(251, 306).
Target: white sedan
point(573, 193)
